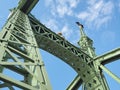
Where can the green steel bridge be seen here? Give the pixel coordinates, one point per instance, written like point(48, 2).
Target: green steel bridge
point(20, 40)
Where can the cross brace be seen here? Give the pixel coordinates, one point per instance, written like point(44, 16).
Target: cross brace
point(76, 58)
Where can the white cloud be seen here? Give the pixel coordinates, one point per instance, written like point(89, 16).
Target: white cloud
point(107, 8)
point(71, 35)
point(62, 7)
point(67, 32)
point(98, 13)
point(52, 24)
point(73, 3)
point(83, 15)
point(91, 2)
point(96, 6)
point(48, 2)
point(102, 22)
point(63, 10)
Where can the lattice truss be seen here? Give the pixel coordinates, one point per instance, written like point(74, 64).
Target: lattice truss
point(89, 69)
point(19, 53)
point(20, 40)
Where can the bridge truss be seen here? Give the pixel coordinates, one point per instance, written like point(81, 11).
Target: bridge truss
point(20, 40)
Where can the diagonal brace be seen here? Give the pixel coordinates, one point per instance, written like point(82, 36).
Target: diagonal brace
point(110, 73)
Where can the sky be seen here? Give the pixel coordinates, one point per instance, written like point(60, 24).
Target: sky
point(101, 19)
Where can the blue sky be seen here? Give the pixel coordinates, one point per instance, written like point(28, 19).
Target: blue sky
point(101, 19)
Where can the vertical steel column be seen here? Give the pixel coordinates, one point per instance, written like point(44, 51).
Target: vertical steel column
point(86, 44)
point(20, 54)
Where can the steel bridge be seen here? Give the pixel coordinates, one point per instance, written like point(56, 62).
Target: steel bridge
point(20, 40)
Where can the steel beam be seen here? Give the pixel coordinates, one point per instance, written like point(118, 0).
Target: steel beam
point(6, 85)
point(76, 83)
point(22, 57)
point(30, 32)
point(110, 73)
point(27, 5)
point(15, 82)
point(108, 57)
point(72, 55)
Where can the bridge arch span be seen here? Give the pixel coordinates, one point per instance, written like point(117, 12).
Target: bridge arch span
point(61, 48)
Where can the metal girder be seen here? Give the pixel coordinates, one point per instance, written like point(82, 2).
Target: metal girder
point(108, 57)
point(16, 83)
point(16, 69)
point(76, 83)
point(20, 41)
point(98, 61)
point(20, 54)
point(110, 73)
point(75, 57)
point(27, 5)
point(6, 85)
point(86, 44)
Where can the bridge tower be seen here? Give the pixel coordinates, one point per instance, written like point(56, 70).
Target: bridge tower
point(20, 40)
point(86, 45)
point(20, 53)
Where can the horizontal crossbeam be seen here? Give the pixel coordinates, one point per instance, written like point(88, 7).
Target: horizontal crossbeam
point(109, 57)
point(15, 82)
point(27, 5)
point(17, 63)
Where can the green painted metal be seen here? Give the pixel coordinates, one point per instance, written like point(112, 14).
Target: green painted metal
point(75, 84)
point(109, 57)
point(16, 83)
point(79, 60)
point(110, 73)
point(27, 5)
point(86, 45)
point(22, 37)
point(20, 54)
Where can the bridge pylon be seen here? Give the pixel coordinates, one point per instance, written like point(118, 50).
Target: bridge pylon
point(19, 53)
point(20, 40)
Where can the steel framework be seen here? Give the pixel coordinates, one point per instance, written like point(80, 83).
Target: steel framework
point(20, 40)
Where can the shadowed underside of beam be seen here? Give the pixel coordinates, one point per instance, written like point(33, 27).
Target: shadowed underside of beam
point(27, 5)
